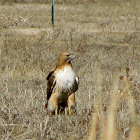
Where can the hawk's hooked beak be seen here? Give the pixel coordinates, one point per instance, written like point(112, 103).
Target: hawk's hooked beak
point(72, 56)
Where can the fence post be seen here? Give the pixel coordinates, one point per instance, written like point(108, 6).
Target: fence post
point(52, 12)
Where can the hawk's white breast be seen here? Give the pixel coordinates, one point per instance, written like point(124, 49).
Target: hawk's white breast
point(65, 78)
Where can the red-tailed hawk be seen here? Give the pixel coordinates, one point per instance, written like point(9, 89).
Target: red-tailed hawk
point(62, 85)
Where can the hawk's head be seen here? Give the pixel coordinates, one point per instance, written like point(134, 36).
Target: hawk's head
point(65, 58)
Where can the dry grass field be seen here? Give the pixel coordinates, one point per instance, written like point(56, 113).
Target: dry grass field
point(104, 36)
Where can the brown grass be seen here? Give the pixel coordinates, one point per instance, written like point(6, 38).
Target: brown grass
point(105, 38)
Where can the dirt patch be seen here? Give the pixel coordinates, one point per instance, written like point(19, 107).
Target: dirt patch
point(28, 31)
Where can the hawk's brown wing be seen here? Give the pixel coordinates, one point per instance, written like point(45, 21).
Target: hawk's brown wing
point(76, 84)
point(51, 84)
